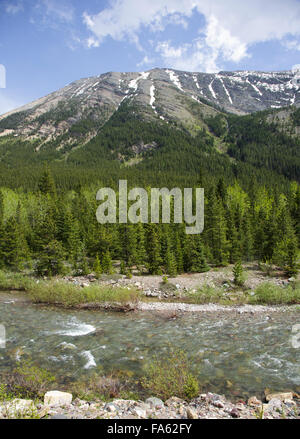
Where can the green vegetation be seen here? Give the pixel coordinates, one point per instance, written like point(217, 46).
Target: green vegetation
point(170, 376)
point(239, 275)
point(67, 294)
point(252, 197)
point(14, 281)
point(206, 294)
point(270, 294)
point(26, 381)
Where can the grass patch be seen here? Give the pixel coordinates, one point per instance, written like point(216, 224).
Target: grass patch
point(269, 294)
point(205, 294)
point(14, 281)
point(67, 294)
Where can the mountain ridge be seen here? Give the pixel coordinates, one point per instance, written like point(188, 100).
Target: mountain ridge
point(165, 94)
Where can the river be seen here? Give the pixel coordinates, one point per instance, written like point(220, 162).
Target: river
point(238, 355)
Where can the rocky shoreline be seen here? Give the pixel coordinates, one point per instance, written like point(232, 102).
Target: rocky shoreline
point(60, 405)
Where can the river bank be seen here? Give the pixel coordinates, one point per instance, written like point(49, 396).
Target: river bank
point(184, 293)
point(60, 405)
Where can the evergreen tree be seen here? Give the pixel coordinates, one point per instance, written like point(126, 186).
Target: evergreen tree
point(97, 267)
point(123, 269)
point(153, 250)
point(46, 183)
point(215, 230)
point(195, 261)
point(238, 274)
point(13, 246)
point(51, 260)
point(107, 263)
point(171, 266)
point(178, 254)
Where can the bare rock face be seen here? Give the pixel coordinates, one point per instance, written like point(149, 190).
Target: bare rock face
point(161, 95)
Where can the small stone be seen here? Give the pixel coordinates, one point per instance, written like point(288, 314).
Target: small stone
point(287, 396)
point(155, 402)
point(274, 404)
point(235, 413)
point(191, 413)
point(110, 408)
point(43, 412)
point(139, 412)
point(218, 404)
point(174, 401)
point(57, 398)
point(254, 402)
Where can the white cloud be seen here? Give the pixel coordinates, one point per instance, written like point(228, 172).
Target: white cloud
point(192, 57)
point(92, 42)
point(14, 8)
point(232, 26)
point(145, 61)
point(169, 52)
point(49, 12)
point(291, 44)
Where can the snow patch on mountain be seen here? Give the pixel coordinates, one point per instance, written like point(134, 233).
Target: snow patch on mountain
point(174, 78)
point(152, 97)
point(226, 90)
point(212, 90)
point(134, 82)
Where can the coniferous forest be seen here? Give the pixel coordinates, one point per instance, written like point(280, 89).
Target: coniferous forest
point(249, 168)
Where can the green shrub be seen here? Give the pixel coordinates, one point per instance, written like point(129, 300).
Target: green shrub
point(266, 267)
point(165, 279)
point(29, 381)
point(99, 386)
point(270, 294)
point(239, 277)
point(170, 376)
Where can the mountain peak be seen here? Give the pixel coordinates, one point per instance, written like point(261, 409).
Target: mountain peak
point(163, 94)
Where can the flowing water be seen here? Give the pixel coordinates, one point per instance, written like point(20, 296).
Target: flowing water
point(239, 355)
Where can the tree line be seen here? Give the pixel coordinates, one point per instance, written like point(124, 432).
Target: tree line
point(57, 232)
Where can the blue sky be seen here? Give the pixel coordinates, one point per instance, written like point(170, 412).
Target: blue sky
point(46, 44)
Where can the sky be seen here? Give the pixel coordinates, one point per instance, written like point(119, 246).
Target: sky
point(46, 44)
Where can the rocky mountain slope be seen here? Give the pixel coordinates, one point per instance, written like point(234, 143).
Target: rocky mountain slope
point(159, 94)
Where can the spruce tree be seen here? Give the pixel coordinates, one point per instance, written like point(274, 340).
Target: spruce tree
point(195, 260)
point(107, 263)
point(215, 230)
point(171, 267)
point(46, 183)
point(51, 259)
point(153, 250)
point(97, 267)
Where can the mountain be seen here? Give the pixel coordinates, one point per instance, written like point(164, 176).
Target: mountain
point(243, 125)
point(169, 95)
